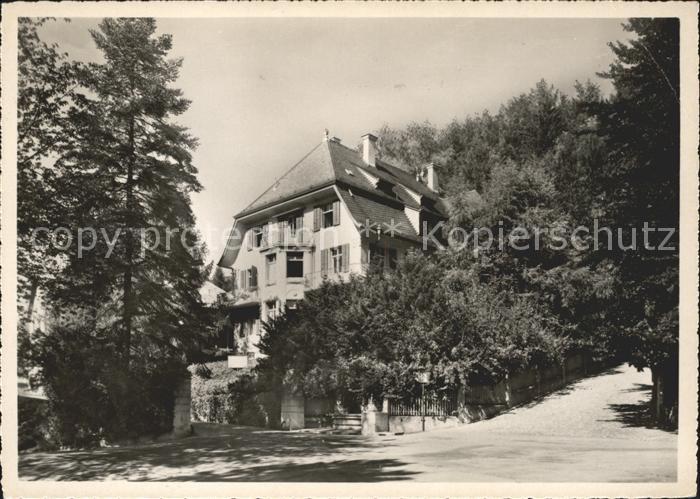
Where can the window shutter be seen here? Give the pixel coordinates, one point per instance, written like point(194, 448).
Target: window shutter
point(345, 262)
point(336, 213)
point(317, 219)
point(300, 222)
point(324, 262)
point(249, 239)
point(364, 256)
point(254, 276)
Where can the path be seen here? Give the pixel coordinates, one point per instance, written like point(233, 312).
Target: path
point(593, 430)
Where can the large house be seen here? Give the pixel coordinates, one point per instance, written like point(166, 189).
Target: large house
point(328, 216)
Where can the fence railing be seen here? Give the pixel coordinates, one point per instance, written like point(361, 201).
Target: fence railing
point(440, 404)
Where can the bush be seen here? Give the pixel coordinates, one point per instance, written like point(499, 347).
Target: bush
point(224, 395)
point(91, 395)
point(370, 336)
point(33, 424)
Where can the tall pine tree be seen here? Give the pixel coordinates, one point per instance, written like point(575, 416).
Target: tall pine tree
point(125, 184)
point(142, 160)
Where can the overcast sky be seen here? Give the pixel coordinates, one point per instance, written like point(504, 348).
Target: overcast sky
point(263, 90)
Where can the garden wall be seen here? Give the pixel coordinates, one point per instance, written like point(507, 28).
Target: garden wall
point(224, 395)
point(485, 401)
point(414, 424)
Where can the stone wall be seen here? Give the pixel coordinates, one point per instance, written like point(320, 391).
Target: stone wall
point(485, 401)
point(414, 424)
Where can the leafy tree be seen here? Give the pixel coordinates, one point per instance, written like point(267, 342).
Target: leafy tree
point(221, 280)
point(355, 340)
point(47, 94)
point(549, 161)
point(411, 148)
point(640, 185)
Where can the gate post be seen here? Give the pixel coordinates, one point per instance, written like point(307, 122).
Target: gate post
point(182, 408)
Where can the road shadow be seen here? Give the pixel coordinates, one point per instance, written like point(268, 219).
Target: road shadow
point(639, 415)
point(243, 454)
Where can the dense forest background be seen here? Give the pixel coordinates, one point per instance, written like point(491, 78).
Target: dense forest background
point(545, 160)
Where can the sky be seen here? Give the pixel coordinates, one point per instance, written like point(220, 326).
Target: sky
point(264, 90)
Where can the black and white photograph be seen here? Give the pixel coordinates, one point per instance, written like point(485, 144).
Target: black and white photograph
point(265, 246)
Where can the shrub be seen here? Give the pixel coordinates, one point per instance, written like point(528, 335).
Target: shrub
point(91, 395)
point(224, 395)
point(33, 421)
point(368, 337)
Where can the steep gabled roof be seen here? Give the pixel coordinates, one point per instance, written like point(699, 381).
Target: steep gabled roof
point(329, 163)
point(313, 171)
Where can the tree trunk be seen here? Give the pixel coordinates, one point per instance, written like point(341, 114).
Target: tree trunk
point(658, 394)
point(30, 306)
point(129, 251)
point(664, 398)
point(654, 388)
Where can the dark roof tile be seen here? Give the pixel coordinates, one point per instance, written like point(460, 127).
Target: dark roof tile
point(331, 162)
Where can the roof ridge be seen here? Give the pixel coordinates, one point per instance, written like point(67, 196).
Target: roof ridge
point(282, 176)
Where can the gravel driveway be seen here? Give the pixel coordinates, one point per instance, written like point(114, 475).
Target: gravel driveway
point(594, 430)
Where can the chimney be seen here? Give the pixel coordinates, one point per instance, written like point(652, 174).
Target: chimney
point(369, 149)
point(431, 177)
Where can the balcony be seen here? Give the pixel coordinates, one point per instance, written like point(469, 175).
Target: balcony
point(286, 237)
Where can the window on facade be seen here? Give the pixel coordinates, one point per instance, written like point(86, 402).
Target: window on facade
point(252, 274)
point(392, 258)
point(295, 223)
point(271, 310)
point(295, 264)
point(327, 215)
point(270, 268)
point(337, 259)
point(383, 257)
point(256, 237)
point(376, 256)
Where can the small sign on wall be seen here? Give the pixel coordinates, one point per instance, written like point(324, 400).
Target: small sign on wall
point(237, 361)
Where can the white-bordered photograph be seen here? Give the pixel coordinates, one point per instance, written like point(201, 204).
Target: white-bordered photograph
point(371, 250)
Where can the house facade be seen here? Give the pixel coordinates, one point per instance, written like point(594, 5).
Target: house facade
point(330, 215)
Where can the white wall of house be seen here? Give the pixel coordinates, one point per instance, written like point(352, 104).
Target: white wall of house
point(274, 288)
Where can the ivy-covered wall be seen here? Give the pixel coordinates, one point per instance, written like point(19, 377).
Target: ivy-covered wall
point(224, 395)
